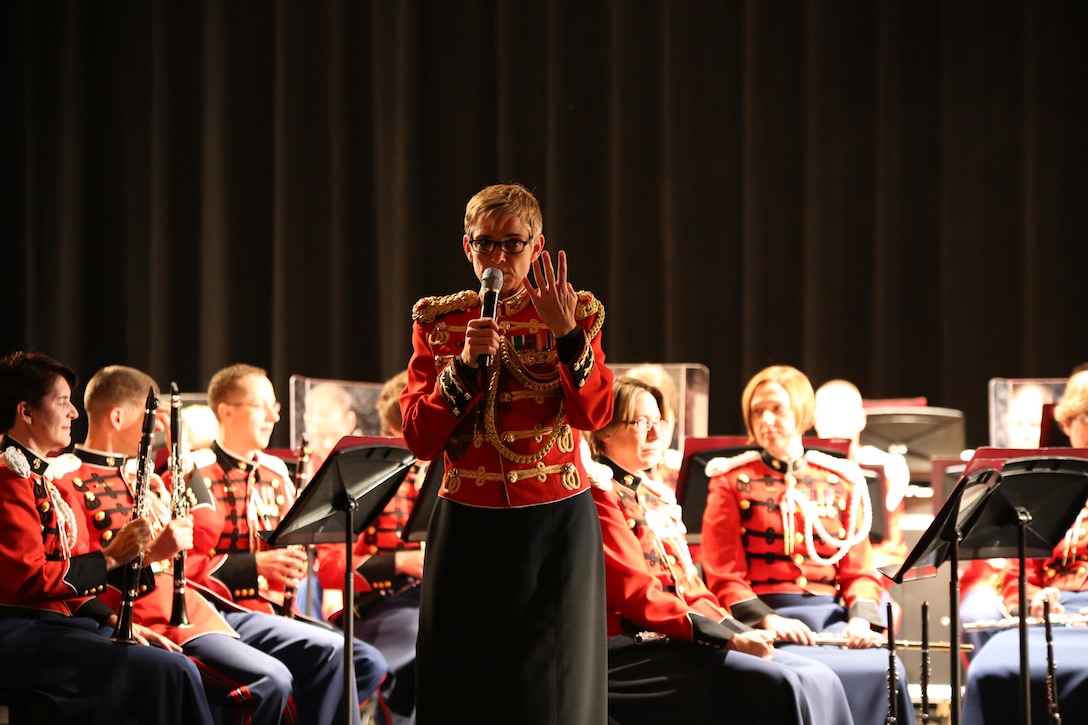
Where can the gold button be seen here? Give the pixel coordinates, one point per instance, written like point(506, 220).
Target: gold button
point(802, 581)
point(799, 559)
point(842, 533)
point(799, 537)
point(100, 516)
point(745, 505)
point(743, 478)
point(107, 536)
point(832, 478)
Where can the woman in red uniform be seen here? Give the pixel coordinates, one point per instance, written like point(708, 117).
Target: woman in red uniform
point(700, 665)
point(785, 543)
point(512, 607)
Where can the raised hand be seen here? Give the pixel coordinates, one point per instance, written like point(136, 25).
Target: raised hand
point(554, 297)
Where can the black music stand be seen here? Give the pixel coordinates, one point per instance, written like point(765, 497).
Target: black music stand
point(1017, 508)
point(346, 495)
point(419, 519)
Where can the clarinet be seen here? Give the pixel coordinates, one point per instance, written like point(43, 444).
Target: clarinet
point(179, 506)
point(893, 674)
point(925, 663)
point(131, 580)
point(1051, 671)
point(302, 477)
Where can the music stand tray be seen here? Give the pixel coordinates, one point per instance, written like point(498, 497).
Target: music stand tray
point(346, 495)
point(1017, 507)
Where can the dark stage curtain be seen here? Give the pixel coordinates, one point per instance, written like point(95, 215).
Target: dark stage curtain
point(888, 191)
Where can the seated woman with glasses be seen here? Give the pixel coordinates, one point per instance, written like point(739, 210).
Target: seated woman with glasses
point(674, 653)
point(993, 684)
point(785, 545)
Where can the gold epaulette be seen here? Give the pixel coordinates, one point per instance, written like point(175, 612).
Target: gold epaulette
point(843, 467)
point(718, 466)
point(587, 305)
point(430, 308)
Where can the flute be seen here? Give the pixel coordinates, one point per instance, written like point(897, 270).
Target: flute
point(841, 640)
point(1066, 620)
point(131, 579)
point(179, 506)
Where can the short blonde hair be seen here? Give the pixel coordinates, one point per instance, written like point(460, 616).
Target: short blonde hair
point(798, 387)
point(1074, 400)
point(388, 405)
point(115, 386)
point(501, 201)
point(225, 382)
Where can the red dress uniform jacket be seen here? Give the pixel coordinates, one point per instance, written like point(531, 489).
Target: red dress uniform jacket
point(751, 545)
point(99, 491)
point(1066, 569)
point(375, 549)
point(510, 433)
point(650, 579)
point(236, 499)
point(40, 567)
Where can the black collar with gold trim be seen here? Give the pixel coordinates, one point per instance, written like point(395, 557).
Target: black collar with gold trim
point(96, 458)
point(37, 463)
point(783, 466)
point(628, 480)
point(228, 462)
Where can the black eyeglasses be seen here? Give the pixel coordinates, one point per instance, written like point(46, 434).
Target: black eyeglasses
point(644, 424)
point(508, 246)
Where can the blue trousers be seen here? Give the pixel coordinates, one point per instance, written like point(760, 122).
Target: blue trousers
point(863, 672)
point(74, 674)
point(667, 682)
point(314, 654)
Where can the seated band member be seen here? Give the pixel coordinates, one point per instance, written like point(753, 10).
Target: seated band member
point(840, 413)
point(240, 492)
point(52, 651)
point(242, 682)
point(993, 679)
point(785, 543)
point(388, 571)
point(711, 668)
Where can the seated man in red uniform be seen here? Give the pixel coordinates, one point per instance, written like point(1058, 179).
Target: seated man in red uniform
point(785, 544)
point(700, 665)
point(240, 491)
point(388, 572)
point(52, 651)
point(242, 681)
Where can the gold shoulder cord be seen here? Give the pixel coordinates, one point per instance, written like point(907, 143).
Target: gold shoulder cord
point(540, 384)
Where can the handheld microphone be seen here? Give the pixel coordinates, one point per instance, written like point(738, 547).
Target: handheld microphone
point(489, 294)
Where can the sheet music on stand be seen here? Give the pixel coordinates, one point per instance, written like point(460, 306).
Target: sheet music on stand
point(347, 494)
point(1009, 503)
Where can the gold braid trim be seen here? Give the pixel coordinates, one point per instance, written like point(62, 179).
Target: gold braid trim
point(427, 309)
point(542, 383)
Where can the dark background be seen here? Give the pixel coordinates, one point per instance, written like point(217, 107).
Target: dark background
point(891, 192)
